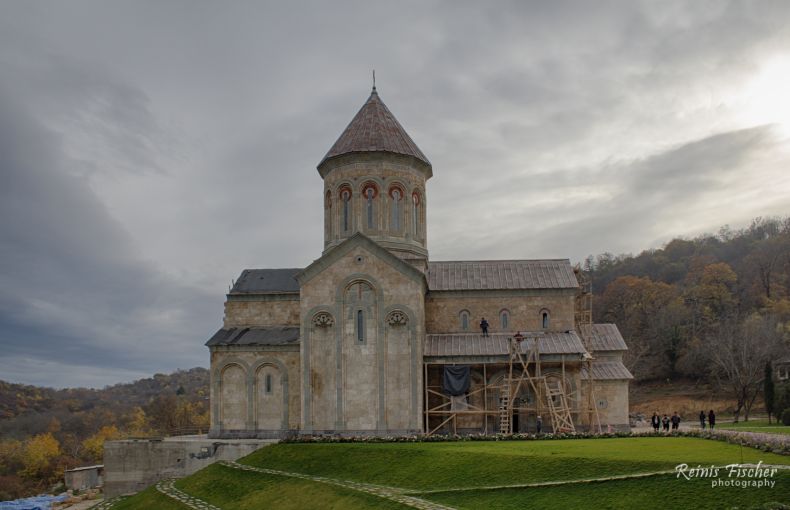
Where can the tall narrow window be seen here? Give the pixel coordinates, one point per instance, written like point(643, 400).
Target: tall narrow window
point(370, 193)
point(360, 326)
point(415, 214)
point(346, 196)
point(329, 214)
point(396, 209)
point(504, 319)
point(545, 320)
point(268, 383)
point(464, 321)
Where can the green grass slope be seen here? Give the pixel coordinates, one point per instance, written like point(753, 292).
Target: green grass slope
point(757, 426)
point(474, 464)
point(441, 467)
point(664, 491)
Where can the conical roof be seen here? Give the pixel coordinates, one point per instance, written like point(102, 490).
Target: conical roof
point(375, 129)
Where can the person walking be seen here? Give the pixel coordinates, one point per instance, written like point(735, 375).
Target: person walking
point(711, 419)
point(675, 421)
point(665, 423)
point(484, 326)
point(655, 421)
point(539, 424)
point(702, 420)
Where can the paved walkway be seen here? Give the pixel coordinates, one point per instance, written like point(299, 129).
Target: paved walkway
point(167, 488)
point(391, 493)
point(105, 504)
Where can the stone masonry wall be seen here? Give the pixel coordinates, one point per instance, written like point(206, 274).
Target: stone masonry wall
point(262, 313)
point(369, 386)
point(442, 311)
point(240, 403)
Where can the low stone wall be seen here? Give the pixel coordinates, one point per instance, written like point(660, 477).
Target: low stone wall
point(131, 465)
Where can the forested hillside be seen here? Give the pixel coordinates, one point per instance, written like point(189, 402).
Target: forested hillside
point(716, 307)
point(44, 431)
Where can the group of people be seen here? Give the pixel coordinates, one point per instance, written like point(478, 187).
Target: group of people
point(711, 419)
point(664, 422)
point(674, 420)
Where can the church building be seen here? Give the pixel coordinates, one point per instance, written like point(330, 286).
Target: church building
point(374, 338)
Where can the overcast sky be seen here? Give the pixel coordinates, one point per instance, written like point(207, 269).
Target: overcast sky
point(150, 151)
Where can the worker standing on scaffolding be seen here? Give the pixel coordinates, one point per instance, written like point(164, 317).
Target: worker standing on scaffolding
point(484, 326)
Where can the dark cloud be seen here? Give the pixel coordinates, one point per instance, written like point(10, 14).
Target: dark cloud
point(149, 152)
point(74, 288)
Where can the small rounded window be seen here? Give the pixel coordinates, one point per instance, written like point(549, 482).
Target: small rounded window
point(464, 316)
point(545, 320)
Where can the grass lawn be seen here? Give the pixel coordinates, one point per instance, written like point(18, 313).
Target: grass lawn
point(233, 489)
point(756, 426)
point(656, 492)
point(475, 464)
point(149, 498)
point(441, 466)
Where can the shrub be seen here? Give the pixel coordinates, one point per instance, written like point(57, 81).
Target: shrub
point(786, 416)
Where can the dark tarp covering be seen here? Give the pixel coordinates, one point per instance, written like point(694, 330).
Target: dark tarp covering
point(456, 379)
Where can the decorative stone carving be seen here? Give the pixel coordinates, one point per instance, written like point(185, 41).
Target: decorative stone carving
point(323, 320)
point(397, 318)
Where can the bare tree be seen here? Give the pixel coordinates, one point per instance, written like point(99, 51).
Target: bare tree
point(738, 354)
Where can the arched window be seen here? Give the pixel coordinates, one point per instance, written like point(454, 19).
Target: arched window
point(370, 193)
point(397, 205)
point(464, 315)
point(268, 384)
point(345, 195)
point(360, 326)
point(504, 319)
point(328, 212)
point(415, 214)
point(544, 315)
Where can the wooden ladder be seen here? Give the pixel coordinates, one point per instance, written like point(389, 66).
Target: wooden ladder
point(560, 410)
point(504, 411)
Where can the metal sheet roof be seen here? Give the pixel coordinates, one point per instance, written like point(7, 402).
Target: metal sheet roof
point(501, 275)
point(473, 344)
point(255, 336)
point(604, 337)
point(608, 370)
point(375, 129)
point(254, 281)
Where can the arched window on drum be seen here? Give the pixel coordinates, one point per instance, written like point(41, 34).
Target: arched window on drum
point(345, 219)
point(415, 215)
point(396, 208)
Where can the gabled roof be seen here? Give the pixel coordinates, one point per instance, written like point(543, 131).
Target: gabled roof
point(262, 281)
point(496, 344)
point(358, 239)
point(271, 335)
point(501, 275)
point(603, 337)
point(375, 129)
point(608, 371)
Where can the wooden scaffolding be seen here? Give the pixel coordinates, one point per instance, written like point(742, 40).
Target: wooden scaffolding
point(523, 370)
point(583, 322)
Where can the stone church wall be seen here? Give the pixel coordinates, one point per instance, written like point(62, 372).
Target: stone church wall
point(443, 310)
point(281, 312)
point(611, 399)
point(372, 385)
point(254, 393)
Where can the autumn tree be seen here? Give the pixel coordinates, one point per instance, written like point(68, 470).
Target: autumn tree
point(738, 353)
point(39, 455)
point(768, 389)
point(650, 315)
point(94, 445)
